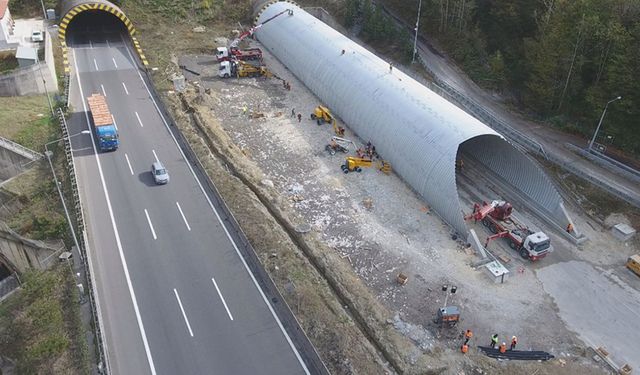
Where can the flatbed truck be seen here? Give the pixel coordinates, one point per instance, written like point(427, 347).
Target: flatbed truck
point(105, 129)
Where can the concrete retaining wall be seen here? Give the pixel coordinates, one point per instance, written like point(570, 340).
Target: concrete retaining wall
point(21, 254)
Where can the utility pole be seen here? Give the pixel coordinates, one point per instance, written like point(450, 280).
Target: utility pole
point(44, 11)
point(415, 39)
point(44, 83)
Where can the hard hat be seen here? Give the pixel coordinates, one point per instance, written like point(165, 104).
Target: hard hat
point(504, 343)
point(513, 338)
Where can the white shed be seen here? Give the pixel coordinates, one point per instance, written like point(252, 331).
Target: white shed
point(26, 56)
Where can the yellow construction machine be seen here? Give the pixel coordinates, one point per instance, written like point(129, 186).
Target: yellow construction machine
point(242, 69)
point(633, 263)
point(354, 164)
point(322, 115)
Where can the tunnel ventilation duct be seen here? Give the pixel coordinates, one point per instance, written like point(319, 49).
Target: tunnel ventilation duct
point(71, 8)
point(416, 130)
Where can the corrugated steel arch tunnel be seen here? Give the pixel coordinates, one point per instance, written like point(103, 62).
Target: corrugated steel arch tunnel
point(416, 130)
point(71, 9)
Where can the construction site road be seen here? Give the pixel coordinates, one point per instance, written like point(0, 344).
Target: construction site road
point(175, 294)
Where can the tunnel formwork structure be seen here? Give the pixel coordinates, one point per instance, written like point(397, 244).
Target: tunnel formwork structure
point(420, 133)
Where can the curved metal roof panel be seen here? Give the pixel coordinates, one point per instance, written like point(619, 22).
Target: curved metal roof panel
point(416, 130)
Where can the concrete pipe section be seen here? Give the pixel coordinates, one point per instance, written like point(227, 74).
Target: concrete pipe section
point(415, 129)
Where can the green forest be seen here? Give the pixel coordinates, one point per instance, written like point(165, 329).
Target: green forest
point(559, 61)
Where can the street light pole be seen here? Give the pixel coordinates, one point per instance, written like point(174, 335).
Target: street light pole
point(55, 179)
point(44, 12)
point(415, 39)
point(600, 122)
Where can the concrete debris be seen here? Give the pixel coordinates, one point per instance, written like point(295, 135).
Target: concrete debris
point(200, 29)
point(267, 183)
point(423, 338)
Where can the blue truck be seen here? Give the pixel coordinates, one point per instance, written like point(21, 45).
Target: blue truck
point(106, 131)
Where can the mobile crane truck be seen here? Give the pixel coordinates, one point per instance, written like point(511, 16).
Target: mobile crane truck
point(234, 53)
point(106, 131)
point(497, 217)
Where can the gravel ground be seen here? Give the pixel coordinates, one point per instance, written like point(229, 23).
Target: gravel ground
point(398, 233)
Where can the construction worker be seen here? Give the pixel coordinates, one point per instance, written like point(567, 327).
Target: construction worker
point(464, 348)
point(343, 51)
point(299, 117)
point(569, 228)
point(244, 110)
point(514, 341)
point(503, 348)
point(293, 112)
point(467, 336)
point(390, 68)
point(494, 340)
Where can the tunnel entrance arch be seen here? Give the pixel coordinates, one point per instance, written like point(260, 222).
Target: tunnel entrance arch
point(73, 8)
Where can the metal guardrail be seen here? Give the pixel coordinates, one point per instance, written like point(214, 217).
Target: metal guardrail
point(607, 162)
point(20, 149)
point(103, 364)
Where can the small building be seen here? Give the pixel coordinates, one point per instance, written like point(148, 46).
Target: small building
point(6, 25)
point(26, 56)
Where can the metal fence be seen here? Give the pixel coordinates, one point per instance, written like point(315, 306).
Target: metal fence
point(103, 363)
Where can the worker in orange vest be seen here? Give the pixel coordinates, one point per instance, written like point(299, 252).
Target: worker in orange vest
point(467, 336)
point(464, 348)
point(514, 341)
point(503, 348)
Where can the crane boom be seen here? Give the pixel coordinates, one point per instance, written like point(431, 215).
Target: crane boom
point(249, 32)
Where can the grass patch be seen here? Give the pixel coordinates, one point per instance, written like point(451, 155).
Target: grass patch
point(30, 8)
point(25, 120)
point(8, 62)
point(39, 325)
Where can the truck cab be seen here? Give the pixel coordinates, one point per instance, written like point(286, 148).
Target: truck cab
point(107, 138)
point(536, 246)
point(222, 53)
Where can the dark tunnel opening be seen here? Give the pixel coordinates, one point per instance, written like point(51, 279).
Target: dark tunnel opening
point(95, 27)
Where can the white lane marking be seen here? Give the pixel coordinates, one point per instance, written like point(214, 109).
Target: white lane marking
point(128, 163)
point(184, 217)
point(103, 92)
point(222, 298)
point(114, 62)
point(153, 232)
point(108, 46)
point(139, 121)
point(96, 64)
point(155, 156)
point(114, 122)
point(125, 88)
point(132, 293)
point(246, 266)
point(183, 313)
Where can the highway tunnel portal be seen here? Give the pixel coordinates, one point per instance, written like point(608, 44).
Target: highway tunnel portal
point(420, 133)
point(82, 16)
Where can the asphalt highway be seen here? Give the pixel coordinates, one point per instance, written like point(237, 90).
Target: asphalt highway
point(175, 295)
